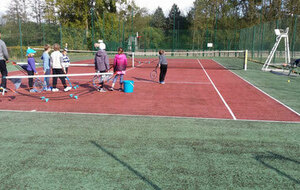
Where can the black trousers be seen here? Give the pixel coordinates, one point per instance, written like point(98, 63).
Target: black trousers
point(163, 72)
point(58, 72)
point(4, 72)
point(30, 80)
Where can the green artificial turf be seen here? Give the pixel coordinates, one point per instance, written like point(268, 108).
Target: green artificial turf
point(282, 87)
point(72, 151)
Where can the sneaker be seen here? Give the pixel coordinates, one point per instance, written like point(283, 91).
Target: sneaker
point(120, 89)
point(101, 90)
point(3, 90)
point(162, 82)
point(32, 90)
point(49, 89)
point(111, 89)
point(55, 89)
point(67, 89)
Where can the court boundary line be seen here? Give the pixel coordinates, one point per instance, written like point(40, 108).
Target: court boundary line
point(149, 116)
point(289, 108)
point(216, 89)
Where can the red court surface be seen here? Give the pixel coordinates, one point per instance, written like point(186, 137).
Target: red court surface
point(188, 92)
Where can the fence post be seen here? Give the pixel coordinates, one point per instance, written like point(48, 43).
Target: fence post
point(145, 41)
point(119, 40)
point(60, 36)
point(246, 60)
point(216, 27)
point(132, 35)
point(274, 60)
point(173, 39)
point(123, 35)
point(262, 41)
point(253, 39)
point(294, 36)
point(43, 28)
point(21, 41)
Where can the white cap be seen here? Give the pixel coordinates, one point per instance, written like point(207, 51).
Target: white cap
point(102, 46)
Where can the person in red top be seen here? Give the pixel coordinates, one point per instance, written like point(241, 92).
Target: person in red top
point(120, 64)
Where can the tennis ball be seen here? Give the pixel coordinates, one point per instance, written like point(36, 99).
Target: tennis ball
point(71, 95)
point(289, 81)
point(76, 97)
point(47, 99)
point(43, 97)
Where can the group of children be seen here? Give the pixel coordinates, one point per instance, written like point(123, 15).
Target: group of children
point(120, 64)
point(59, 63)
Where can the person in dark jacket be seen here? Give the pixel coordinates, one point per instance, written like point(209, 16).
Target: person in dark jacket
point(3, 60)
point(101, 63)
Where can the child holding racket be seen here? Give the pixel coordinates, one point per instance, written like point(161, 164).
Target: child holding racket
point(31, 68)
point(46, 66)
point(101, 62)
point(163, 64)
point(120, 64)
point(56, 61)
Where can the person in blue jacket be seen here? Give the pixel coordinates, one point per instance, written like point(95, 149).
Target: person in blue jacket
point(46, 66)
point(31, 70)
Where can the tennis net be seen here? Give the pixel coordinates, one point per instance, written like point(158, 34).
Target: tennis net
point(236, 60)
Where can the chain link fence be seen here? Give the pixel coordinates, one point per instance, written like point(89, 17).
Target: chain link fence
point(258, 39)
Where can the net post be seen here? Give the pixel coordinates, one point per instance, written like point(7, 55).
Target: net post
point(246, 60)
point(132, 59)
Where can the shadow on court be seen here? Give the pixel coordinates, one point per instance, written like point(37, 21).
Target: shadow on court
point(144, 80)
point(138, 174)
point(270, 156)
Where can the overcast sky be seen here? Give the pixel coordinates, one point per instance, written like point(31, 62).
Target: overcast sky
point(4, 6)
point(151, 5)
point(166, 5)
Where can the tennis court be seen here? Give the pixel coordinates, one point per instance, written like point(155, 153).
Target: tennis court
point(200, 88)
point(180, 135)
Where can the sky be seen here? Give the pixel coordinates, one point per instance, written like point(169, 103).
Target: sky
point(166, 5)
point(4, 6)
point(151, 5)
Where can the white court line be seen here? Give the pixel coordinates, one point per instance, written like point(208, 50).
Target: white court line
point(260, 90)
point(149, 116)
point(230, 111)
point(174, 82)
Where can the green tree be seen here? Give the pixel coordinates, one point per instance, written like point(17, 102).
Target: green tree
point(158, 19)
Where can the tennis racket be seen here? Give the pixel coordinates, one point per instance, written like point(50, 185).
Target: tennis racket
point(38, 85)
point(97, 79)
point(153, 74)
point(70, 83)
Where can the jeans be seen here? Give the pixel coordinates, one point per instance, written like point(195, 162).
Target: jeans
point(121, 79)
point(47, 79)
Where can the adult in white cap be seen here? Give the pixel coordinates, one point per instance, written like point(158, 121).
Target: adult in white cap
point(101, 62)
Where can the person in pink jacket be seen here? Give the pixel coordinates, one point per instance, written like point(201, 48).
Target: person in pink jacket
point(120, 64)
